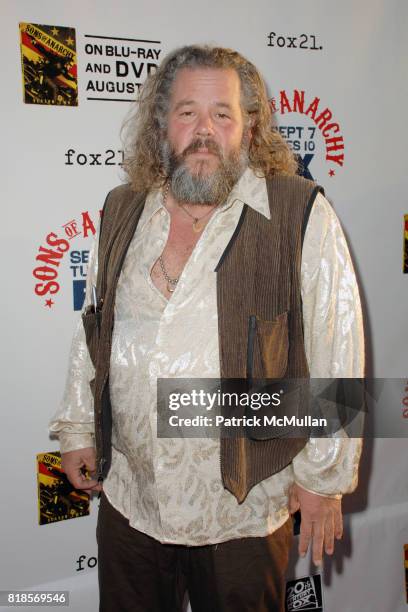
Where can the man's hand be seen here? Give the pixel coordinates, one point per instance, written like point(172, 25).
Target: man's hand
point(74, 463)
point(322, 521)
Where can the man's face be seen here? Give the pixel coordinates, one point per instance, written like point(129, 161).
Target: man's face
point(207, 143)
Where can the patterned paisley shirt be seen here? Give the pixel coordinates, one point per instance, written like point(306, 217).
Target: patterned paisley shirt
point(171, 489)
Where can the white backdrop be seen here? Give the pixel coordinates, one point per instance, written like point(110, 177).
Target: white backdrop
point(358, 71)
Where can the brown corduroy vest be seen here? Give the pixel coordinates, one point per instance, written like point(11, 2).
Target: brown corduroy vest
point(259, 315)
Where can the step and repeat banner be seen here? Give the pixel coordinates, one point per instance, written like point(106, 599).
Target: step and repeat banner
point(337, 80)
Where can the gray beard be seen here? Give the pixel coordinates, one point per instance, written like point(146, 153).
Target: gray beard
point(201, 188)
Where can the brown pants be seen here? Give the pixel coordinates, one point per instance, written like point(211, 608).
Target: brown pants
point(139, 574)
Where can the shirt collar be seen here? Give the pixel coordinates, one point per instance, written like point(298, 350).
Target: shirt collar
point(249, 189)
point(153, 203)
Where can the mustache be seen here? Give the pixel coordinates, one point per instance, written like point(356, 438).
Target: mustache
point(200, 143)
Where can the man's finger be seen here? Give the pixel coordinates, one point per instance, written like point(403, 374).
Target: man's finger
point(95, 487)
point(329, 534)
point(79, 480)
point(305, 535)
point(338, 525)
point(317, 545)
point(90, 464)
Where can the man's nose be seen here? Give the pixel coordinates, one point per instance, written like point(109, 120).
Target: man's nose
point(205, 125)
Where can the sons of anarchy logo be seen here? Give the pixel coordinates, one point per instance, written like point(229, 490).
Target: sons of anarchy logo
point(57, 498)
point(49, 64)
point(304, 594)
point(310, 129)
point(57, 246)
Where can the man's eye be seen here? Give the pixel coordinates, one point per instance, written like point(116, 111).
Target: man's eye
point(187, 113)
point(222, 115)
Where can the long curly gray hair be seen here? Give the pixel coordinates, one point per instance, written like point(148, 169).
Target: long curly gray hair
point(146, 127)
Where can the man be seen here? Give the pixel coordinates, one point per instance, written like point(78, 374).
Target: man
point(208, 236)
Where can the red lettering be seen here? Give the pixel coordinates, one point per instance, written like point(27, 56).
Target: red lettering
point(50, 287)
point(284, 103)
point(71, 229)
point(87, 224)
point(332, 126)
point(335, 143)
point(47, 256)
point(312, 109)
point(298, 101)
point(44, 273)
point(323, 118)
point(61, 244)
point(337, 159)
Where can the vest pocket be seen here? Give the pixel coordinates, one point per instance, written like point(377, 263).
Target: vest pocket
point(273, 341)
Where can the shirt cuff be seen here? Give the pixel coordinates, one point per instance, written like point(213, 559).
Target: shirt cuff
point(75, 441)
point(331, 496)
point(328, 466)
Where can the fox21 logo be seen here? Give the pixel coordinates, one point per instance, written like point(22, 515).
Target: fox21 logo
point(62, 246)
